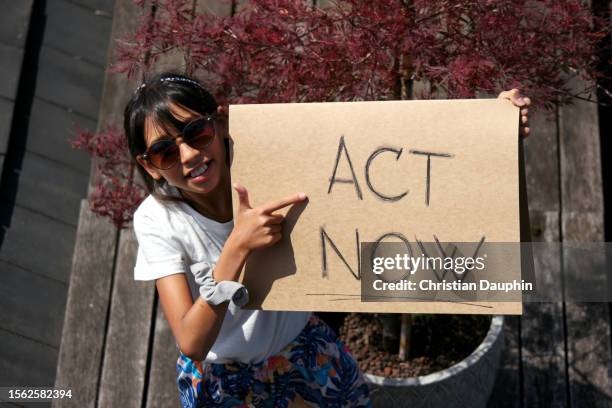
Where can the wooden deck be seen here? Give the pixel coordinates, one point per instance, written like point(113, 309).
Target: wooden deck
point(117, 349)
point(53, 56)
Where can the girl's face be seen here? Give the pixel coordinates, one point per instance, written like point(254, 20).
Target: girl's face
point(199, 171)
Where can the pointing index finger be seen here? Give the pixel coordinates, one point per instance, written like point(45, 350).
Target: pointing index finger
point(282, 203)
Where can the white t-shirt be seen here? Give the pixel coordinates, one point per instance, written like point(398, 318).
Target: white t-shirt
point(171, 238)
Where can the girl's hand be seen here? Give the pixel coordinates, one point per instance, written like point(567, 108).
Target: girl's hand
point(257, 228)
point(523, 102)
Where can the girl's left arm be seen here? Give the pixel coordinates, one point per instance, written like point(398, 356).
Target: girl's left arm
point(523, 102)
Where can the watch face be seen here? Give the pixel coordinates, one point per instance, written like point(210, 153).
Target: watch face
point(241, 296)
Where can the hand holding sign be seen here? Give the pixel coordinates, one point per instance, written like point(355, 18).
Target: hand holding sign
point(257, 228)
point(520, 101)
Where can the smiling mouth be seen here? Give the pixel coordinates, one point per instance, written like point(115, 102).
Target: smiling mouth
point(199, 171)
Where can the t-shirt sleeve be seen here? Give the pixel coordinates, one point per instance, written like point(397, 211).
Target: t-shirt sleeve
point(159, 251)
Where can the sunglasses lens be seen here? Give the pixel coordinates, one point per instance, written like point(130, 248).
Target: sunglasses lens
point(164, 154)
point(199, 133)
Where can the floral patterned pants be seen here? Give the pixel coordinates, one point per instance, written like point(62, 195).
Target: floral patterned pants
point(316, 366)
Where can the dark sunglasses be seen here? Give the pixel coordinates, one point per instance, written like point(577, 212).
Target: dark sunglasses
point(165, 153)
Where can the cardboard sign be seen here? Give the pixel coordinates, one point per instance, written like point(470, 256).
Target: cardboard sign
point(424, 170)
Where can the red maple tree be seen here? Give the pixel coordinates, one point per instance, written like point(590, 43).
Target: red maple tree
point(291, 51)
point(116, 195)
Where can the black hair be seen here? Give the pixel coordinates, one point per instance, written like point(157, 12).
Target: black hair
point(152, 100)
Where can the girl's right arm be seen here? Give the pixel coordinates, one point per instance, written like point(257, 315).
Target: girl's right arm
point(196, 325)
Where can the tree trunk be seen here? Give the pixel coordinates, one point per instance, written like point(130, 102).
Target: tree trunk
point(390, 332)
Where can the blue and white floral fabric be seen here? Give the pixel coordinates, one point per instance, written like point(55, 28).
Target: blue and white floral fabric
point(316, 366)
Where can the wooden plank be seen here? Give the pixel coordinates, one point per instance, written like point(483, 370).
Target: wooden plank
point(132, 303)
point(221, 8)
point(588, 335)
point(543, 391)
point(580, 157)
point(542, 163)
point(583, 259)
point(54, 125)
point(588, 324)
point(15, 21)
point(84, 331)
point(127, 346)
point(104, 7)
point(69, 26)
point(61, 186)
point(123, 374)
point(541, 351)
point(25, 362)
point(162, 390)
point(10, 69)
point(507, 388)
point(542, 331)
point(27, 244)
point(117, 89)
point(69, 82)
point(93, 258)
point(6, 117)
point(37, 315)
point(542, 336)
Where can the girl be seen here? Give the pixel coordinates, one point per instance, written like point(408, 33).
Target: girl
point(228, 356)
point(190, 245)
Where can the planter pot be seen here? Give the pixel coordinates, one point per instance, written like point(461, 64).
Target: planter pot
point(466, 384)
